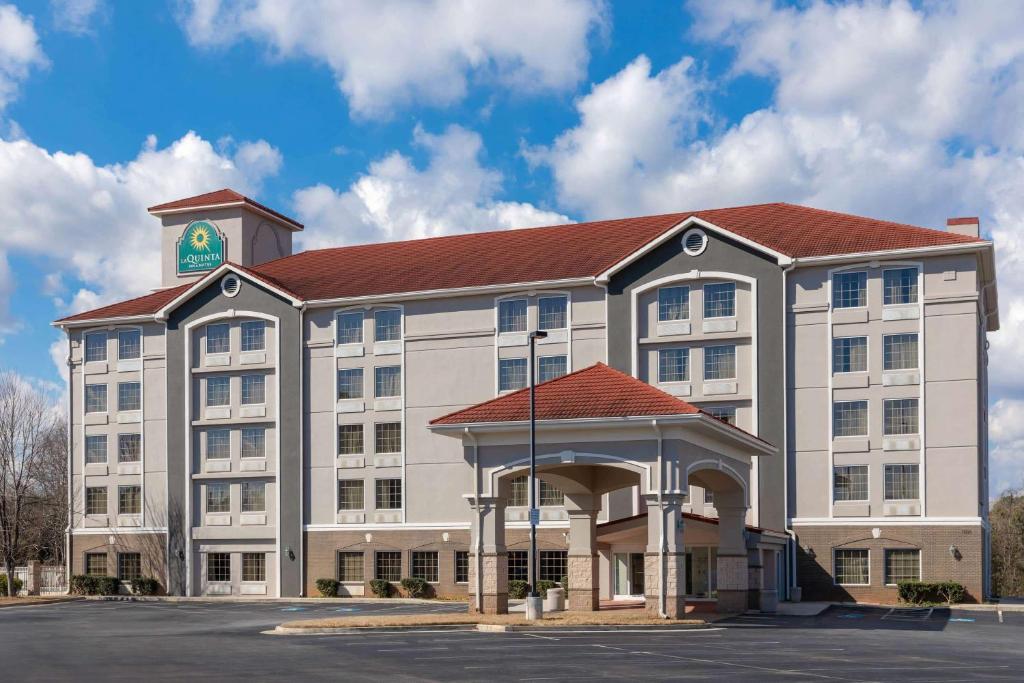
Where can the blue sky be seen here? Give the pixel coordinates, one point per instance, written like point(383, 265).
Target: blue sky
point(376, 120)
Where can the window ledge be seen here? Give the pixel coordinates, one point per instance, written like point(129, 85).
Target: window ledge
point(851, 509)
point(218, 519)
point(719, 325)
point(351, 517)
point(668, 328)
point(390, 517)
point(130, 365)
point(901, 443)
point(129, 468)
point(95, 367)
point(252, 411)
point(351, 461)
point(129, 417)
point(910, 508)
point(901, 312)
point(96, 469)
point(388, 403)
point(253, 518)
point(252, 358)
point(253, 589)
point(714, 388)
point(217, 360)
point(556, 336)
point(676, 388)
point(351, 405)
point(851, 444)
point(129, 520)
point(900, 378)
point(253, 465)
point(218, 465)
point(349, 351)
point(506, 339)
point(387, 348)
point(849, 315)
point(389, 460)
point(217, 413)
point(97, 418)
point(850, 380)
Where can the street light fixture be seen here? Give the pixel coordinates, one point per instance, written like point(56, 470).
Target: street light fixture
point(534, 603)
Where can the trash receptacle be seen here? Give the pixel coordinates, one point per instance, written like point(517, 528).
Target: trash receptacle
point(555, 600)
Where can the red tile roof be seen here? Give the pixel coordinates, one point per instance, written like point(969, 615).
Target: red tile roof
point(593, 392)
point(217, 198)
point(143, 305)
point(581, 250)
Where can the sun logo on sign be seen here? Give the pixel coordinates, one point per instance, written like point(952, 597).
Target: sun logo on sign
point(200, 238)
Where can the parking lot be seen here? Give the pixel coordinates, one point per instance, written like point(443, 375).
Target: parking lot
point(92, 640)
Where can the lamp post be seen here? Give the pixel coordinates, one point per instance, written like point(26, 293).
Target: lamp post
point(534, 603)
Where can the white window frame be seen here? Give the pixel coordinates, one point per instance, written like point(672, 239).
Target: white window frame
point(206, 444)
point(867, 495)
point(337, 384)
point(735, 362)
point(241, 443)
point(543, 358)
point(886, 402)
point(867, 421)
point(106, 398)
point(106, 449)
point(241, 335)
point(917, 271)
point(337, 326)
point(704, 301)
point(835, 578)
point(206, 340)
point(885, 565)
point(689, 366)
point(563, 297)
point(526, 374)
point(689, 313)
point(241, 389)
point(85, 346)
point(509, 300)
point(137, 330)
point(401, 324)
point(867, 355)
point(832, 286)
point(376, 368)
point(887, 465)
point(206, 392)
point(917, 356)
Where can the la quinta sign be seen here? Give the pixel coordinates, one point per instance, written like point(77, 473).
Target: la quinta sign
point(200, 248)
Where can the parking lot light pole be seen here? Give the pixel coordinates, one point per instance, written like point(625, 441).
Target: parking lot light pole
point(534, 603)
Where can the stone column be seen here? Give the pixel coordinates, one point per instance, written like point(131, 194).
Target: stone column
point(733, 576)
point(491, 561)
point(584, 595)
point(665, 559)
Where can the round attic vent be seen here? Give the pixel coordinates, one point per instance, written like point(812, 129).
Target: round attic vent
point(230, 285)
point(695, 241)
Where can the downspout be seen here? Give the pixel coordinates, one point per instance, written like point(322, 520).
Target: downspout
point(791, 555)
point(303, 543)
point(479, 520)
point(70, 445)
point(662, 612)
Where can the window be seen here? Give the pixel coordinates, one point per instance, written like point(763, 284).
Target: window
point(850, 482)
point(254, 567)
point(901, 482)
point(899, 352)
point(218, 567)
point(95, 398)
point(511, 374)
point(95, 347)
point(129, 447)
point(350, 328)
point(96, 500)
point(218, 338)
point(129, 396)
point(673, 365)
point(254, 442)
point(218, 497)
point(388, 494)
point(387, 325)
point(900, 416)
point(218, 391)
point(129, 566)
point(388, 565)
point(350, 383)
point(720, 300)
point(723, 413)
point(387, 437)
point(218, 444)
point(350, 567)
point(850, 354)
point(96, 564)
point(129, 500)
point(512, 315)
point(518, 565)
point(254, 335)
point(387, 381)
point(899, 286)
point(850, 418)
point(553, 565)
point(850, 290)
point(720, 362)
point(129, 344)
point(902, 565)
point(350, 494)
point(96, 449)
point(254, 389)
point(673, 303)
point(552, 312)
point(550, 495)
point(254, 496)
point(709, 497)
point(519, 491)
point(551, 367)
point(461, 566)
point(851, 566)
point(350, 439)
point(424, 565)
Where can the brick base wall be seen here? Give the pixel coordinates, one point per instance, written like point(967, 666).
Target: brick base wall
point(151, 547)
point(816, 543)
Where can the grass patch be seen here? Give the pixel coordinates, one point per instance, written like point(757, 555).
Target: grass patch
point(608, 618)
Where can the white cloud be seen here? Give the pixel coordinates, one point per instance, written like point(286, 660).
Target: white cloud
point(395, 200)
point(7, 323)
point(385, 53)
point(76, 16)
point(19, 51)
point(91, 220)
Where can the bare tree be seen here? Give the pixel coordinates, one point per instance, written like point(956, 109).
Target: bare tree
point(1007, 523)
point(26, 421)
point(49, 516)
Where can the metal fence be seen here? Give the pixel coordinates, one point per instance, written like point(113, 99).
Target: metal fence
point(51, 580)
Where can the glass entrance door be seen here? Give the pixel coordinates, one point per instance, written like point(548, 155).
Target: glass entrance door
point(629, 574)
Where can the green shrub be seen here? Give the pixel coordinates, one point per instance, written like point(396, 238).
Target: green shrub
point(544, 586)
point(415, 587)
point(108, 585)
point(381, 588)
point(919, 592)
point(565, 585)
point(517, 589)
point(83, 584)
point(3, 585)
point(145, 585)
point(328, 588)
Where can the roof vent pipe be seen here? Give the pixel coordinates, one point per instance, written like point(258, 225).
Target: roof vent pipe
point(968, 225)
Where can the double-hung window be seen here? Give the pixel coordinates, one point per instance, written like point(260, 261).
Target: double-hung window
point(850, 290)
point(129, 344)
point(899, 286)
point(96, 500)
point(902, 564)
point(387, 325)
point(254, 567)
point(218, 567)
point(387, 437)
point(850, 483)
point(350, 327)
point(511, 315)
point(218, 391)
point(425, 565)
point(350, 566)
point(350, 439)
point(95, 449)
point(218, 497)
point(129, 396)
point(899, 351)
point(96, 564)
point(720, 300)
point(350, 494)
point(129, 448)
point(851, 567)
point(218, 444)
point(95, 347)
point(387, 381)
point(254, 389)
point(901, 482)
point(254, 335)
point(254, 442)
point(673, 365)
point(850, 418)
point(673, 304)
point(850, 354)
point(900, 416)
point(95, 398)
point(254, 496)
point(388, 494)
point(552, 312)
point(129, 566)
point(129, 500)
point(511, 374)
point(218, 338)
point(551, 367)
point(720, 362)
point(388, 565)
point(350, 383)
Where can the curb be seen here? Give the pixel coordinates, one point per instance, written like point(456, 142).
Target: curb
point(355, 630)
point(482, 628)
point(39, 603)
point(267, 601)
